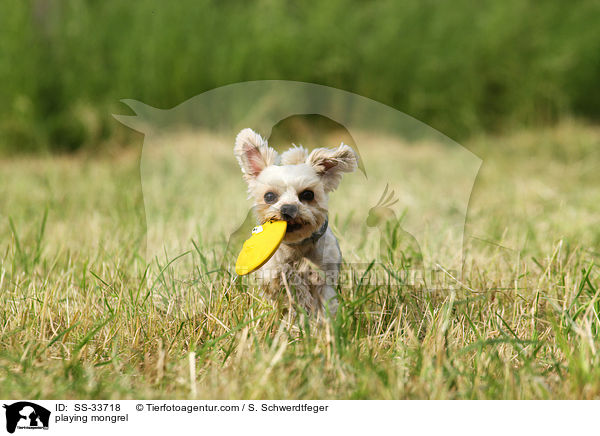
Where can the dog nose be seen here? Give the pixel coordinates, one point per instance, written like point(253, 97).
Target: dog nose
point(289, 211)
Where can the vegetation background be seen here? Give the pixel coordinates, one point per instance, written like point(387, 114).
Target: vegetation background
point(462, 67)
point(84, 315)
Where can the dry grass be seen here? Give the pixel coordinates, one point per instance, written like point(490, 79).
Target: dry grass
point(84, 315)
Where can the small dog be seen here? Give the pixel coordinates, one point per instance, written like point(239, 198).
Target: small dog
point(294, 187)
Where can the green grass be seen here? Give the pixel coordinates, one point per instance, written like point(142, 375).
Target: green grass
point(462, 67)
point(83, 315)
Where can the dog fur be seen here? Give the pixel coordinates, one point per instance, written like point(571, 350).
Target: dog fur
point(295, 187)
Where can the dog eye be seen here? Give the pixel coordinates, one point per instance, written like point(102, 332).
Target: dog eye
point(307, 195)
point(270, 197)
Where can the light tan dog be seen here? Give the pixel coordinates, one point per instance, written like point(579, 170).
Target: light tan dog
point(294, 187)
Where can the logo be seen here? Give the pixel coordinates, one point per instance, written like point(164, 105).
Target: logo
point(416, 222)
point(26, 415)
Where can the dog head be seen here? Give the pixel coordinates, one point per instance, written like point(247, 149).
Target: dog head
point(294, 186)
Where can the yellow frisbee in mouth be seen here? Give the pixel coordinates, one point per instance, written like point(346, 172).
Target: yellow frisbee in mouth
point(257, 250)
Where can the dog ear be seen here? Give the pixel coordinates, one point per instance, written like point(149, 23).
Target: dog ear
point(253, 153)
point(330, 163)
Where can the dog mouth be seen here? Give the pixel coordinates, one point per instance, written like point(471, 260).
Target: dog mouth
point(293, 226)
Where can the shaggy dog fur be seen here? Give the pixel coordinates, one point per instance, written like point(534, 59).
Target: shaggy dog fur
point(294, 187)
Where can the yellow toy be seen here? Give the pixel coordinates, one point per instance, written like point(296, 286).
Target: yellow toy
point(257, 250)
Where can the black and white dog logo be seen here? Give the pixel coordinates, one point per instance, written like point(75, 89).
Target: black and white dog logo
point(26, 415)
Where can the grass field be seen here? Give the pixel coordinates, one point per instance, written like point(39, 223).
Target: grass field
point(84, 315)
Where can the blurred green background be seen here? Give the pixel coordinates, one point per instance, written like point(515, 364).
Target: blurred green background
point(462, 67)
